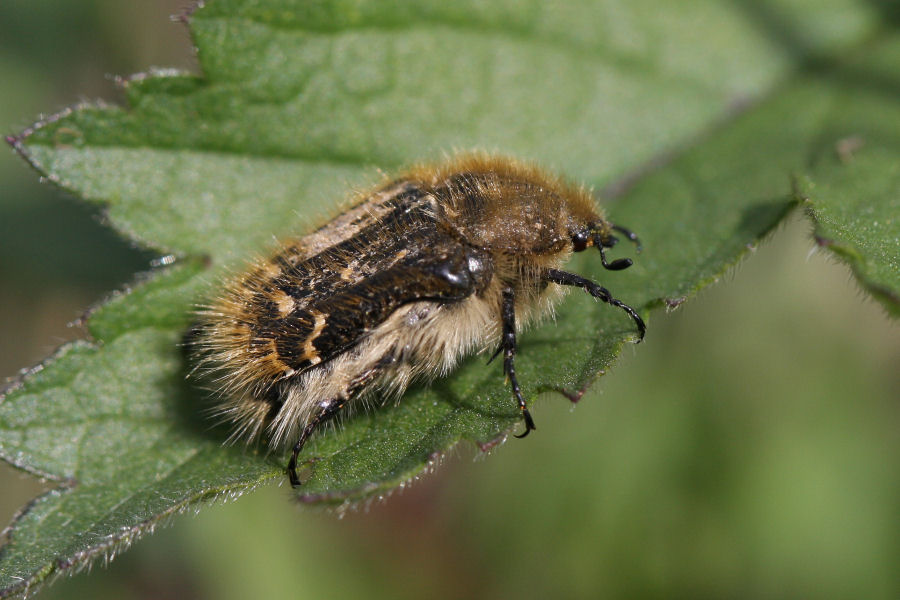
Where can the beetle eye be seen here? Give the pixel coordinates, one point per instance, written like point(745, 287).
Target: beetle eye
point(580, 241)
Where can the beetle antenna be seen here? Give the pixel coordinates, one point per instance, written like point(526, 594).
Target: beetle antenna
point(616, 265)
point(629, 234)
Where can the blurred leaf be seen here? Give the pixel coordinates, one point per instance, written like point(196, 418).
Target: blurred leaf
point(300, 100)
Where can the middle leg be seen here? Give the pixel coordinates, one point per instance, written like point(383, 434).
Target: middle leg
point(508, 345)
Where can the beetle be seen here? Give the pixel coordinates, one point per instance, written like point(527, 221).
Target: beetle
point(432, 265)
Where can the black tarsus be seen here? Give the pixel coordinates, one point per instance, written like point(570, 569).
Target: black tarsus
point(332, 407)
point(496, 353)
point(508, 345)
point(329, 410)
point(597, 291)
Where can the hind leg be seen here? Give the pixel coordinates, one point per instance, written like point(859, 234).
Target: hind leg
point(329, 408)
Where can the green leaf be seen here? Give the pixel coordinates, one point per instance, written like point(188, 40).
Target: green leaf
point(852, 190)
point(113, 420)
point(299, 102)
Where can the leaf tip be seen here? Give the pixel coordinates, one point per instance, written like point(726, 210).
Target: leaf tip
point(492, 443)
point(673, 303)
point(15, 141)
point(185, 14)
point(822, 242)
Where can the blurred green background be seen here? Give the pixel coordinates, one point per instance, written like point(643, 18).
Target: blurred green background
point(747, 449)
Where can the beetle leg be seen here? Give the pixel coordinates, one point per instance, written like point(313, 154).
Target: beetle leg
point(597, 291)
point(329, 408)
point(508, 344)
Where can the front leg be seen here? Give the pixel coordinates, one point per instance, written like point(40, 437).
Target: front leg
point(595, 290)
point(508, 345)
